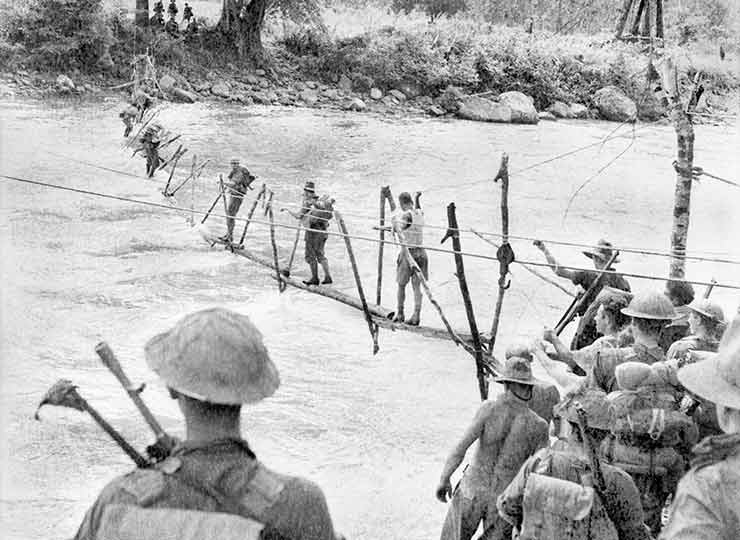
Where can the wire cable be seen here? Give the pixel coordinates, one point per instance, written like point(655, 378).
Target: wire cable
point(332, 233)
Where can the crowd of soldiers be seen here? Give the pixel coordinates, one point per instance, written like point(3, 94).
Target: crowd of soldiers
point(157, 21)
point(613, 454)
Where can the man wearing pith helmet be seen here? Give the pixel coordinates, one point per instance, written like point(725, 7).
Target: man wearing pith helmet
point(212, 362)
point(508, 432)
point(240, 181)
point(707, 502)
point(650, 312)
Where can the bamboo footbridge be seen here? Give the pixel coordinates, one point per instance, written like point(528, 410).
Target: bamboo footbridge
point(479, 344)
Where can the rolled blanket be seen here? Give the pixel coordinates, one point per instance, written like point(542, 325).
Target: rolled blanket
point(545, 497)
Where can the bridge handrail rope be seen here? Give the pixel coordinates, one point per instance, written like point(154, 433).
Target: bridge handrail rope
point(625, 249)
point(188, 211)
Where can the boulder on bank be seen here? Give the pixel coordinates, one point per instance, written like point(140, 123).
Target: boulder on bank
point(522, 107)
point(345, 84)
point(560, 110)
point(376, 93)
point(309, 96)
point(178, 94)
point(613, 104)
point(484, 110)
point(578, 110)
point(167, 82)
point(65, 84)
point(221, 89)
point(356, 104)
point(451, 99)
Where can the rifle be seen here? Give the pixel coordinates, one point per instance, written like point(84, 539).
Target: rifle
point(599, 482)
point(165, 443)
point(580, 299)
point(64, 394)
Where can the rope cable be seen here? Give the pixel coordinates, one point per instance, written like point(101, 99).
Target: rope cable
point(332, 233)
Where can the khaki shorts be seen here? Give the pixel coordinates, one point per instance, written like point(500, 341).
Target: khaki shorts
point(315, 242)
point(404, 271)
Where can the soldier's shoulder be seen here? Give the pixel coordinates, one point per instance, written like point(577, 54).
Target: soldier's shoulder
point(136, 487)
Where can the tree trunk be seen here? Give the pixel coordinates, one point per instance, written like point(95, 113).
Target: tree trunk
point(659, 19)
point(141, 17)
point(638, 15)
point(624, 14)
point(242, 22)
point(684, 164)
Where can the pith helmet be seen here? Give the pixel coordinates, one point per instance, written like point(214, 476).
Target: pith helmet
point(707, 308)
point(652, 305)
point(214, 355)
point(592, 401)
point(310, 187)
point(717, 378)
point(603, 251)
point(516, 369)
point(235, 161)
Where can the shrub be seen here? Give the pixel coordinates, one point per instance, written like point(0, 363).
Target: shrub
point(62, 34)
point(433, 8)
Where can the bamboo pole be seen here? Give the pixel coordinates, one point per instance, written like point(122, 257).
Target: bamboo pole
point(454, 233)
point(208, 214)
point(281, 284)
point(256, 201)
point(527, 268)
point(647, 23)
point(659, 19)
point(381, 246)
point(635, 30)
point(358, 281)
point(286, 272)
point(504, 254)
point(708, 290)
point(623, 15)
point(165, 192)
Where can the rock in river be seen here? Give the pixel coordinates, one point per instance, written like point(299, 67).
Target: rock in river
point(613, 104)
point(522, 107)
point(484, 110)
point(221, 89)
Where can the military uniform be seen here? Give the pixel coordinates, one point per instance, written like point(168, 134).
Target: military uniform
point(707, 503)
point(241, 179)
point(586, 332)
point(212, 362)
point(603, 373)
point(620, 510)
point(220, 476)
point(680, 348)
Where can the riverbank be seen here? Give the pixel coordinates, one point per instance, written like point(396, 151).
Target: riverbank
point(455, 67)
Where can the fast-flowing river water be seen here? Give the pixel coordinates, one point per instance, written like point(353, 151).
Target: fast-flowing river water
point(373, 431)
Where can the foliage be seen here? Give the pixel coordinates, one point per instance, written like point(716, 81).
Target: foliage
point(62, 34)
point(433, 8)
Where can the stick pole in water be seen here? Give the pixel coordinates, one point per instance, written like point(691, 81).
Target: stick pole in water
point(381, 246)
point(260, 195)
point(358, 281)
point(504, 254)
point(281, 284)
point(454, 233)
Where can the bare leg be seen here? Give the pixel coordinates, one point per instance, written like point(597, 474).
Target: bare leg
point(401, 300)
point(327, 274)
point(314, 266)
point(416, 285)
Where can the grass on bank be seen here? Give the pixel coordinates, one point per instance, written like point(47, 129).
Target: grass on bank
point(376, 46)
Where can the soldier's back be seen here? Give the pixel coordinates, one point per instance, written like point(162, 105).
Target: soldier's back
point(222, 476)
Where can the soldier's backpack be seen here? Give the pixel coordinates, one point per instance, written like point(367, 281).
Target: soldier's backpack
point(557, 509)
point(645, 412)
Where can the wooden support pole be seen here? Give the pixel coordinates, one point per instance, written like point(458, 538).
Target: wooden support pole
point(166, 192)
point(647, 23)
point(256, 201)
point(286, 272)
point(281, 284)
point(504, 254)
point(623, 15)
point(659, 19)
point(454, 233)
point(381, 246)
point(425, 287)
point(194, 175)
point(208, 214)
point(267, 201)
point(358, 281)
point(635, 30)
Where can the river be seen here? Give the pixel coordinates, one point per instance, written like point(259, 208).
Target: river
point(373, 431)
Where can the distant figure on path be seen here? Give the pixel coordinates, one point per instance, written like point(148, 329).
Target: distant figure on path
point(172, 28)
point(172, 9)
point(157, 22)
point(150, 143)
point(600, 255)
point(508, 433)
point(240, 182)
point(187, 14)
point(681, 294)
point(408, 223)
point(128, 117)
